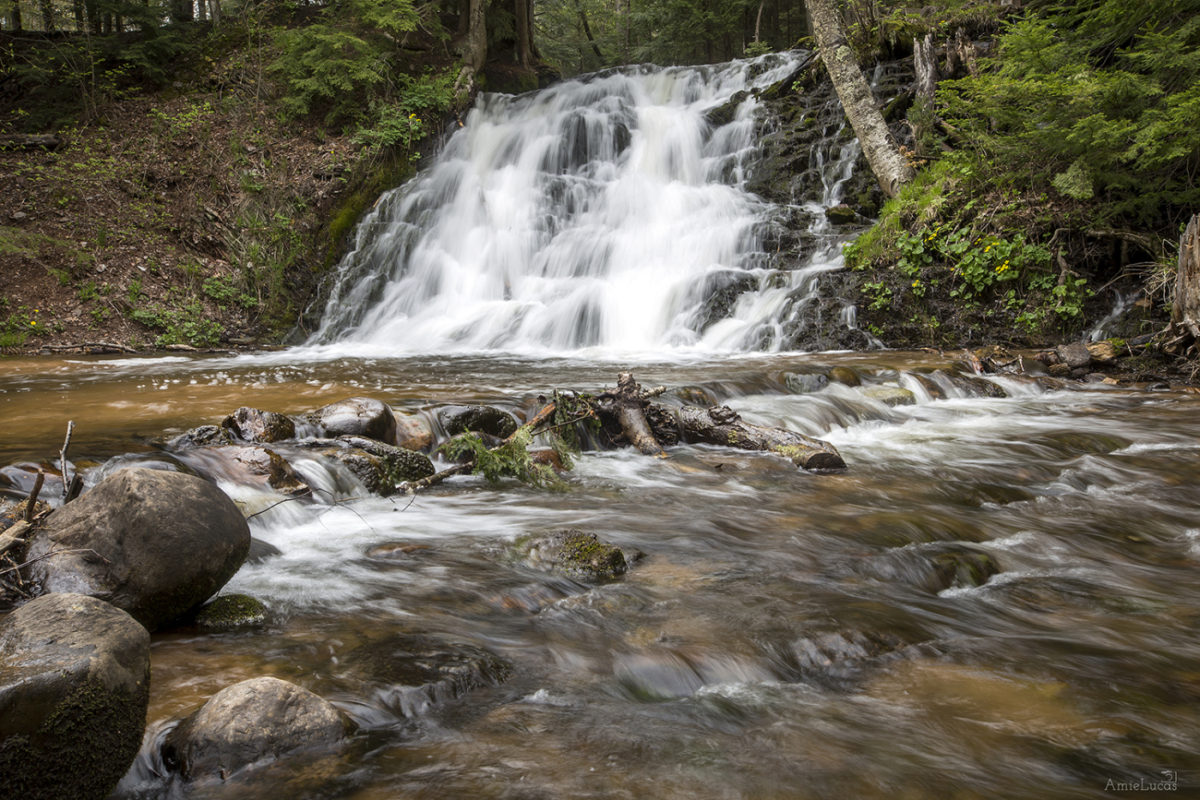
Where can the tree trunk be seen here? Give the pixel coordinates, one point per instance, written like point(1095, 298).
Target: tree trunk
point(214, 12)
point(925, 65)
point(889, 165)
point(473, 46)
point(47, 9)
point(524, 15)
point(758, 20)
point(1185, 310)
point(587, 31)
point(627, 405)
point(14, 15)
point(721, 425)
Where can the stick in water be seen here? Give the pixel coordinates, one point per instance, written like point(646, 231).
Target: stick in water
point(62, 459)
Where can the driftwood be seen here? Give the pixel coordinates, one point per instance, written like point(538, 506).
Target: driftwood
point(627, 404)
point(721, 425)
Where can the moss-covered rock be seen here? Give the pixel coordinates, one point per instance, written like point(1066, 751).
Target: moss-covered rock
point(477, 419)
point(231, 612)
point(74, 688)
point(575, 554)
point(379, 466)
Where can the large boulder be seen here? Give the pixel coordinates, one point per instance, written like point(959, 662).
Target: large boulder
point(155, 544)
point(357, 416)
point(74, 686)
point(243, 724)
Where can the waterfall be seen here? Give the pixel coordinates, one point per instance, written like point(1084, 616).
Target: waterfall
point(602, 214)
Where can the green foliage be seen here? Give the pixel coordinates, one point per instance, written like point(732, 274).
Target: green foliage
point(1098, 102)
point(344, 62)
point(19, 325)
point(508, 460)
point(184, 325)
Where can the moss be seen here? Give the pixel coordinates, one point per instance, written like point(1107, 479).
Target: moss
point(232, 612)
point(81, 750)
point(575, 553)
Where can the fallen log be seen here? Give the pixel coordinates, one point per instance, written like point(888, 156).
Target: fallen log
point(627, 404)
point(721, 425)
point(30, 141)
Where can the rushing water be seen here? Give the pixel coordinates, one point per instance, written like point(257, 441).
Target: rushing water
point(783, 634)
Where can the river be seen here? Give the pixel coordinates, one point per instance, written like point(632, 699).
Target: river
point(997, 597)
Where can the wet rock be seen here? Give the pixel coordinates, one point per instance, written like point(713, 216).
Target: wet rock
point(973, 386)
point(260, 464)
point(253, 425)
point(838, 659)
point(204, 436)
point(696, 396)
point(260, 551)
point(805, 383)
point(931, 568)
point(155, 544)
point(845, 376)
point(1104, 352)
point(929, 385)
point(74, 687)
point(841, 215)
point(720, 292)
point(231, 612)
point(357, 416)
point(574, 553)
point(422, 672)
point(890, 395)
point(670, 674)
point(477, 419)
point(164, 462)
point(249, 722)
point(397, 551)
point(413, 432)
point(380, 467)
point(1074, 355)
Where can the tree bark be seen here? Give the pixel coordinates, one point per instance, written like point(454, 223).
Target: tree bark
point(587, 30)
point(1185, 310)
point(524, 15)
point(14, 15)
point(887, 162)
point(721, 425)
point(925, 65)
point(473, 46)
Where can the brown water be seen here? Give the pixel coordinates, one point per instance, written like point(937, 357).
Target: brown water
point(785, 635)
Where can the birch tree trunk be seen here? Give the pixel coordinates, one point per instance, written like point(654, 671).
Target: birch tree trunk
point(889, 165)
point(473, 46)
point(1185, 311)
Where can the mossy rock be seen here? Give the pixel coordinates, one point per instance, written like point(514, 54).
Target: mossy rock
point(231, 612)
point(965, 569)
point(575, 554)
point(379, 466)
point(845, 376)
point(890, 395)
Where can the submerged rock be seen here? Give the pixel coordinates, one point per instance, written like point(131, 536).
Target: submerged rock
point(845, 376)
point(380, 467)
point(574, 553)
point(805, 383)
point(357, 416)
point(422, 672)
point(155, 544)
point(477, 419)
point(204, 436)
point(890, 395)
point(74, 687)
point(260, 551)
point(253, 425)
point(249, 722)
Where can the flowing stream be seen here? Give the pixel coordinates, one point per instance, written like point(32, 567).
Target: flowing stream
point(996, 599)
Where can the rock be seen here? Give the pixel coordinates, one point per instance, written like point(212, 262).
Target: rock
point(932, 568)
point(155, 460)
point(260, 551)
point(576, 554)
point(1104, 352)
point(891, 395)
point(413, 432)
point(1074, 355)
point(257, 719)
point(805, 383)
point(230, 612)
point(929, 385)
point(357, 416)
point(252, 464)
point(477, 419)
point(380, 467)
point(422, 672)
point(695, 395)
point(841, 215)
point(253, 425)
point(204, 436)
point(844, 376)
point(155, 544)
point(74, 687)
point(397, 551)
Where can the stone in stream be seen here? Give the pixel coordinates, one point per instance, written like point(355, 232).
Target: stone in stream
point(260, 551)
point(248, 723)
point(575, 554)
point(890, 395)
point(253, 425)
point(804, 382)
point(74, 687)
point(477, 419)
point(231, 612)
point(380, 467)
point(155, 544)
point(357, 416)
point(932, 568)
point(204, 436)
point(413, 432)
point(420, 673)
point(844, 376)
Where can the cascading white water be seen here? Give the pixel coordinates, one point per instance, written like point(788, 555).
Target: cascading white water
point(590, 215)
